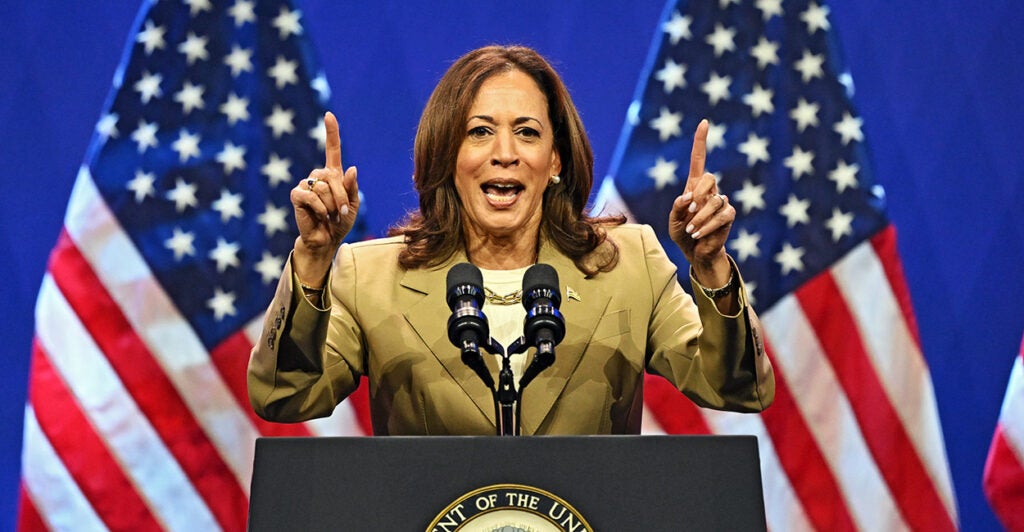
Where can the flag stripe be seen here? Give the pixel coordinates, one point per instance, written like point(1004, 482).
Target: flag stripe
point(148, 385)
point(129, 281)
point(908, 480)
point(29, 519)
point(674, 413)
point(797, 353)
point(111, 496)
point(812, 479)
point(113, 413)
point(52, 489)
point(905, 379)
point(885, 248)
point(1004, 480)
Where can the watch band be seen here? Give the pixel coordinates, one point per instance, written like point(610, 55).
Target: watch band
point(718, 293)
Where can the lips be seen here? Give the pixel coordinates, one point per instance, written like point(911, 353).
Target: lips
point(502, 193)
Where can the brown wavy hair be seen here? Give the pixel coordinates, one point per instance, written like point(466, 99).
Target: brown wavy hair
point(435, 232)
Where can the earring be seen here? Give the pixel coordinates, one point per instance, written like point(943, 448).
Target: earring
point(555, 180)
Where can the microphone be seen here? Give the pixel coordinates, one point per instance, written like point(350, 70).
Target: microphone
point(544, 327)
point(467, 326)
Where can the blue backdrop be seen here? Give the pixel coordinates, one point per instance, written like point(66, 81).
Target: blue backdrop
point(938, 85)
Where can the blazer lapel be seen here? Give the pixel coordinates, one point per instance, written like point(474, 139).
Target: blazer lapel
point(428, 316)
point(581, 313)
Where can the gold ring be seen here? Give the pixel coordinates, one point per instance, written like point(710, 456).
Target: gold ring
point(721, 197)
point(311, 182)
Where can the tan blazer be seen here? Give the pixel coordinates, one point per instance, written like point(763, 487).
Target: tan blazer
point(389, 326)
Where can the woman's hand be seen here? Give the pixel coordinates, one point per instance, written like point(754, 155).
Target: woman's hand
point(325, 205)
point(701, 217)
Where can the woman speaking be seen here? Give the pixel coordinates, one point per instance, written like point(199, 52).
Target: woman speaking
point(503, 170)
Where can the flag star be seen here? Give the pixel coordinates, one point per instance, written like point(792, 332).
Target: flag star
point(145, 135)
point(846, 80)
point(228, 205)
point(273, 219)
point(766, 52)
point(283, 72)
point(183, 195)
point(232, 157)
point(667, 124)
point(318, 134)
point(745, 245)
point(841, 224)
point(222, 304)
point(239, 60)
point(187, 145)
point(790, 258)
point(322, 88)
point(148, 86)
point(269, 267)
point(280, 121)
point(142, 185)
point(816, 18)
point(722, 40)
point(751, 196)
point(107, 126)
point(755, 148)
point(722, 4)
point(717, 88)
point(152, 37)
point(678, 27)
point(287, 22)
point(800, 162)
point(671, 76)
point(750, 286)
point(760, 100)
point(716, 136)
point(805, 114)
point(235, 109)
point(197, 6)
point(242, 12)
point(194, 48)
point(225, 254)
point(190, 97)
point(663, 173)
point(849, 128)
point(795, 211)
point(844, 175)
point(181, 243)
point(769, 8)
point(277, 170)
point(809, 66)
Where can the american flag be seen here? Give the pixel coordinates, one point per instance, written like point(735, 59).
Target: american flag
point(853, 441)
point(176, 232)
point(1004, 470)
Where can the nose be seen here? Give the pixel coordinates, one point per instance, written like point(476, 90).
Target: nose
point(504, 150)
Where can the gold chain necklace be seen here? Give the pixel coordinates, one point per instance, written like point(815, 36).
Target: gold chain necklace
point(507, 299)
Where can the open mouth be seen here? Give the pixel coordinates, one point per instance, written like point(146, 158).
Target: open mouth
point(502, 193)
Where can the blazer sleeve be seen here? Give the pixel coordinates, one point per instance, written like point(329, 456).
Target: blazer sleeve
point(720, 363)
point(307, 359)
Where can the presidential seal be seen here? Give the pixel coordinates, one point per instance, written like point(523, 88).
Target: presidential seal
point(509, 508)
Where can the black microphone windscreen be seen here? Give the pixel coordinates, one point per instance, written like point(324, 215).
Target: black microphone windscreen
point(541, 277)
point(464, 273)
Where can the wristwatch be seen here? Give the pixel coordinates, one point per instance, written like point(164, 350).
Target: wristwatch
point(718, 293)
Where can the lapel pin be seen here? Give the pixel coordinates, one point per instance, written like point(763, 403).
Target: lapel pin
point(571, 294)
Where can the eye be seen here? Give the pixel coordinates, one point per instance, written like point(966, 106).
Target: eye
point(528, 132)
point(479, 132)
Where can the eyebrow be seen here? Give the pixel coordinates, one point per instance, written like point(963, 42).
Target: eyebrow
point(516, 122)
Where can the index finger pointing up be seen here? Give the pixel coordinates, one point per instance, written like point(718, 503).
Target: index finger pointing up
point(700, 151)
point(333, 143)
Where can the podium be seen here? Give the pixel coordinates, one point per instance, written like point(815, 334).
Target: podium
point(579, 483)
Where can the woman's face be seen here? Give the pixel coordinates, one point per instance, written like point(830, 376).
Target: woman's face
point(506, 159)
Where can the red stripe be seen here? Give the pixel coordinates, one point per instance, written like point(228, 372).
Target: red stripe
point(1004, 482)
point(886, 437)
point(28, 517)
point(231, 359)
point(83, 452)
point(884, 243)
point(360, 401)
point(672, 410)
point(799, 456)
point(149, 386)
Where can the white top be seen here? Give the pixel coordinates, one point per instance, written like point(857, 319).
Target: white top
point(506, 321)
